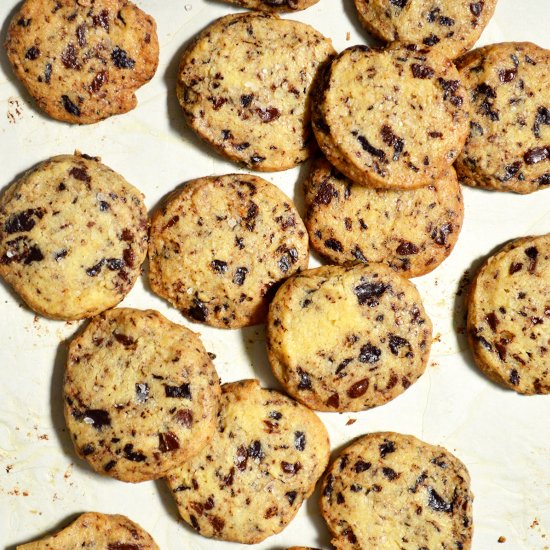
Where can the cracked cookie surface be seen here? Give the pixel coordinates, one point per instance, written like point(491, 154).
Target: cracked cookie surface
point(220, 244)
point(394, 118)
point(389, 490)
point(141, 394)
point(411, 231)
point(82, 61)
point(263, 462)
point(347, 338)
point(73, 236)
point(509, 316)
point(508, 148)
point(244, 87)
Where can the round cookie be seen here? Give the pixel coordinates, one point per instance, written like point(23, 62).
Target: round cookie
point(347, 338)
point(509, 316)
point(73, 236)
point(411, 231)
point(394, 118)
point(83, 61)
point(218, 246)
point(263, 462)
point(508, 148)
point(449, 26)
point(141, 394)
point(244, 87)
point(95, 530)
point(280, 6)
point(389, 490)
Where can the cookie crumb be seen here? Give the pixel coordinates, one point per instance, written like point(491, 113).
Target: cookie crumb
point(501, 539)
point(351, 421)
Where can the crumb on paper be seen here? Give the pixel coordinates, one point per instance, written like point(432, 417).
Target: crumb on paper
point(15, 111)
point(43, 437)
point(534, 523)
point(68, 471)
point(501, 539)
point(348, 35)
point(212, 355)
point(464, 283)
point(351, 421)
point(9, 468)
point(434, 364)
point(437, 337)
point(188, 7)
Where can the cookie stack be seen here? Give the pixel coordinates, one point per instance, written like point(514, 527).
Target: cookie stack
point(390, 133)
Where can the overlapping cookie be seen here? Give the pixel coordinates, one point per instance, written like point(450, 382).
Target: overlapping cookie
point(73, 236)
point(83, 61)
point(280, 6)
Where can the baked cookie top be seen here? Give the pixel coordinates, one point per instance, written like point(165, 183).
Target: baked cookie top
point(509, 316)
point(93, 530)
point(388, 490)
point(73, 236)
point(411, 231)
point(261, 465)
point(508, 148)
point(393, 118)
point(244, 87)
point(449, 26)
point(82, 61)
point(347, 338)
point(140, 393)
point(280, 6)
point(218, 246)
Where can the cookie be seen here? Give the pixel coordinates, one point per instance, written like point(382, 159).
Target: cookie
point(509, 316)
point(73, 236)
point(220, 244)
point(411, 231)
point(508, 148)
point(94, 530)
point(263, 462)
point(140, 394)
point(394, 118)
point(451, 27)
point(393, 490)
point(244, 87)
point(280, 6)
point(83, 61)
point(347, 338)
point(301, 548)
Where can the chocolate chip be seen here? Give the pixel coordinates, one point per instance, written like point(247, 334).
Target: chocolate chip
point(431, 40)
point(435, 502)
point(492, 321)
point(532, 253)
point(180, 392)
point(126, 341)
point(325, 194)
point(446, 21)
point(198, 311)
point(255, 450)
point(542, 117)
point(23, 221)
point(390, 139)
point(134, 456)
point(256, 159)
point(289, 468)
point(390, 473)
point(397, 342)
point(422, 71)
point(98, 418)
point(32, 53)
point(121, 60)
point(219, 266)
point(168, 441)
point(334, 244)
point(299, 441)
point(268, 115)
point(476, 8)
point(361, 466)
point(80, 173)
point(399, 3)
point(329, 486)
point(305, 380)
point(123, 546)
point(241, 458)
point(246, 100)
point(142, 392)
point(358, 389)
point(69, 106)
point(514, 377)
point(109, 466)
point(365, 144)
point(184, 417)
point(99, 80)
point(240, 275)
point(69, 58)
point(544, 179)
point(386, 448)
point(291, 496)
point(81, 35)
point(369, 354)
point(536, 155)
point(507, 75)
point(87, 450)
point(217, 523)
point(440, 235)
point(95, 270)
point(333, 401)
point(407, 248)
point(58, 256)
point(367, 293)
point(101, 20)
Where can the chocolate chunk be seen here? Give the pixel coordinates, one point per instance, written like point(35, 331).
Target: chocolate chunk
point(87, 450)
point(386, 448)
point(399, 3)
point(240, 276)
point(23, 221)
point(368, 293)
point(514, 377)
point(99, 80)
point(123, 546)
point(81, 35)
point(126, 341)
point(532, 253)
point(241, 458)
point(440, 235)
point(365, 144)
point(397, 342)
point(299, 441)
point(219, 266)
point(251, 214)
point(333, 401)
point(198, 311)
point(510, 171)
point(256, 159)
point(334, 244)
point(217, 523)
point(142, 392)
point(246, 100)
point(289, 468)
point(184, 417)
point(305, 380)
point(325, 194)
point(101, 20)
point(542, 117)
point(268, 115)
point(255, 450)
point(390, 473)
point(476, 8)
point(32, 53)
point(114, 264)
point(492, 321)
point(390, 139)
point(80, 173)
point(110, 465)
point(129, 257)
point(361, 466)
point(536, 155)
point(69, 106)
point(422, 71)
point(22, 22)
point(507, 75)
point(291, 496)
point(350, 535)
point(369, 354)
point(358, 254)
point(168, 441)
point(121, 60)
point(276, 415)
point(98, 418)
point(358, 389)
point(407, 248)
point(69, 58)
point(58, 256)
point(329, 486)
point(431, 40)
point(446, 21)
point(435, 502)
point(545, 179)
point(95, 270)
point(134, 456)
point(242, 146)
point(180, 392)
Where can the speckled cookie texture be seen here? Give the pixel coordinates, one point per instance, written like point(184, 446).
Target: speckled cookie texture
point(73, 236)
point(94, 531)
point(411, 231)
point(347, 338)
point(509, 316)
point(264, 461)
point(140, 393)
point(450, 26)
point(244, 87)
point(274, 6)
point(220, 244)
point(82, 60)
point(508, 148)
point(388, 490)
point(394, 118)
